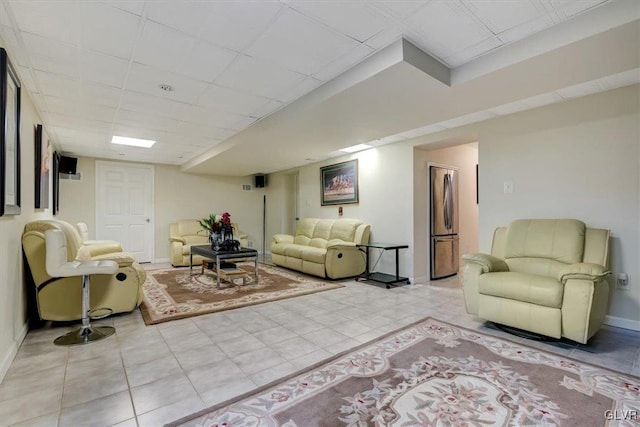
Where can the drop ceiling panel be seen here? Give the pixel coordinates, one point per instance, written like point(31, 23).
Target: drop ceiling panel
point(399, 9)
point(146, 120)
point(204, 61)
point(108, 29)
point(63, 68)
point(231, 100)
point(568, 8)
point(39, 46)
point(100, 94)
point(262, 78)
point(531, 27)
point(161, 46)
point(500, 16)
point(268, 108)
point(57, 85)
point(53, 20)
point(189, 20)
point(355, 19)
point(313, 46)
point(235, 25)
point(143, 103)
point(345, 62)
point(103, 69)
point(299, 90)
point(147, 80)
point(435, 23)
point(132, 6)
point(218, 118)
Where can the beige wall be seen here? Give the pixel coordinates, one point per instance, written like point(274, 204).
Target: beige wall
point(464, 158)
point(177, 196)
point(13, 316)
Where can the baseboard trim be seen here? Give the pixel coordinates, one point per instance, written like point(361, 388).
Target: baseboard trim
point(421, 279)
point(621, 322)
point(13, 350)
point(161, 260)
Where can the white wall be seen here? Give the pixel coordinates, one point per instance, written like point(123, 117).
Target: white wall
point(575, 159)
point(578, 159)
point(465, 158)
point(386, 199)
point(13, 315)
point(178, 195)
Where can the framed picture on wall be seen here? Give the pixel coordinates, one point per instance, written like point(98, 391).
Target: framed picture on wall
point(42, 169)
point(9, 137)
point(339, 183)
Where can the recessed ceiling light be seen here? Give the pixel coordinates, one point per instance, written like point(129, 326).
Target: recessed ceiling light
point(133, 142)
point(354, 148)
point(165, 87)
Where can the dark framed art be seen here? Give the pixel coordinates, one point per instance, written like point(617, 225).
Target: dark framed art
point(339, 183)
point(42, 169)
point(9, 137)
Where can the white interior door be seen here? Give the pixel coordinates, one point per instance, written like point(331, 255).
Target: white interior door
point(124, 207)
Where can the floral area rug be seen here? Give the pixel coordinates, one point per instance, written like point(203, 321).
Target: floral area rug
point(173, 294)
point(436, 374)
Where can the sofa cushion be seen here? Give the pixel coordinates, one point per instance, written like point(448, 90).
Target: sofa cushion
point(317, 242)
point(306, 226)
point(280, 248)
point(312, 254)
point(558, 239)
point(345, 229)
point(530, 288)
point(294, 251)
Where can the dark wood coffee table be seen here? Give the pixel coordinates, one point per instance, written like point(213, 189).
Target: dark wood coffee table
point(217, 256)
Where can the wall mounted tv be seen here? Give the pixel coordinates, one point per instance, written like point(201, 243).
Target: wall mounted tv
point(68, 165)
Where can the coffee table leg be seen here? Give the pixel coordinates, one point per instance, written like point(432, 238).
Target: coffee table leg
point(255, 268)
point(218, 270)
point(190, 263)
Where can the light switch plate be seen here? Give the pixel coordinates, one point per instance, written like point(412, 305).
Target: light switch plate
point(508, 187)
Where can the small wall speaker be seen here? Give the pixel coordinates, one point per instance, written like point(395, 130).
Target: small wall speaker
point(259, 181)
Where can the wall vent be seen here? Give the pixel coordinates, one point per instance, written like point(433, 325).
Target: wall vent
point(246, 187)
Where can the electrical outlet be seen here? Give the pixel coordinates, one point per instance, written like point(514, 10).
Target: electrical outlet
point(250, 243)
point(508, 187)
point(622, 281)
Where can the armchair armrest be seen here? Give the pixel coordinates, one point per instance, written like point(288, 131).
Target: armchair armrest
point(104, 247)
point(583, 271)
point(177, 239)
point(123, 259)
point(488, 263)
point(337, 243)
point(282, 238)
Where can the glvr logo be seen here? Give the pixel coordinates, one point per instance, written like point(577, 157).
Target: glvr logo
point(622, 414)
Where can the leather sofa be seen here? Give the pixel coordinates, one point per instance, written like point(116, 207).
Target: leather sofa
point(323, 247)
point(83, 231)
point(547, 276)
point(59, 299)
point(186, 232)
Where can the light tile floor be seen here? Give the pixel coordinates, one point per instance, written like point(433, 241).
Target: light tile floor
point(150, 375)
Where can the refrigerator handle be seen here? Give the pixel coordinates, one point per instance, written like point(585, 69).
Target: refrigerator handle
point(448, 202)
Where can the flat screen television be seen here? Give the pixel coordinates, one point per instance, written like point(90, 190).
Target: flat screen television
point(68, 165)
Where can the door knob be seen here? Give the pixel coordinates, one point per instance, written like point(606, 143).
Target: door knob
point(148, 220)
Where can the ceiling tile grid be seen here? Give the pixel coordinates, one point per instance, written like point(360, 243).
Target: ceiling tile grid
point(97, 66)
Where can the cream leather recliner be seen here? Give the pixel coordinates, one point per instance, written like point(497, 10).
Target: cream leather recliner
point(323, 247)
point(59, 298)
point(546, 276)
point(187, 232)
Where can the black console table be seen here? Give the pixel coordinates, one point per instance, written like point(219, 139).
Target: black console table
point(387, 279)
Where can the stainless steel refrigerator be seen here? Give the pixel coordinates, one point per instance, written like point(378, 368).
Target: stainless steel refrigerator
point(444, 222)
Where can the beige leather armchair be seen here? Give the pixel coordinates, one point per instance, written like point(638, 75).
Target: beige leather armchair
point(323, 247)
point(59, 298)
point(546, 276)
point(187, 232)
point(83, 231)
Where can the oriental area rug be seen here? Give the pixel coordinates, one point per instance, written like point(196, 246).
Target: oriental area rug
point(173, 293)
point(434, 374)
